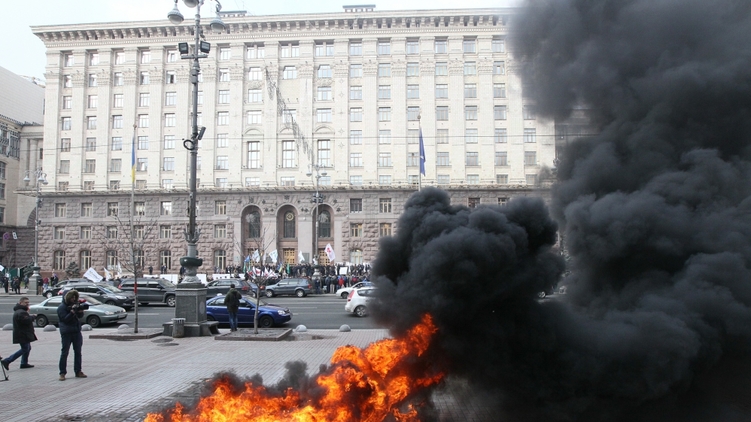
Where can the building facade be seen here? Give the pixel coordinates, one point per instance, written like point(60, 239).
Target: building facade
point(292, 104)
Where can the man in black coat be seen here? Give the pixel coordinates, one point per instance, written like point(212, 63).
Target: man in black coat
point(232, 301)
point(70, 313)
point(23, 334)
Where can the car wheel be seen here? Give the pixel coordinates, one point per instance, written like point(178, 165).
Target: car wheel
point(344, 295)
point(265, 321)
point(110, 302)
point(541, 295)
point(171, 301)
point(49, 295)
point(269, 293)
point(361, 311)
point(41, 321)
point(143, 303)
point(300, 293)
point(210, 318)
point(94, 321)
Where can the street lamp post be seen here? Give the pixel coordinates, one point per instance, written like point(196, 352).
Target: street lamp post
point(317, 199)
point(41, 179)
point(191, 290)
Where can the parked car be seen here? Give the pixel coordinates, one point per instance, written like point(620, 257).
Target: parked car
point(344, 291)
point(97, 314)
point(358, 300)
point(299, 287)
point(222, 287)
point(102, 292)
point(151, 290)
point(268, 315)
point(51, 290)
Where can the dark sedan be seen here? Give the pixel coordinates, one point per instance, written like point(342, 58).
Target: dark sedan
point(268, 315)
point(221, 287)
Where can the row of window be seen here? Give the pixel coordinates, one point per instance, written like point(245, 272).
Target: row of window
point(292, 49)
point(112, 260)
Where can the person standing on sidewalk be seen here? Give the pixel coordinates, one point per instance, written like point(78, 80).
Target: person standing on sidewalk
point(23, 334)
point(69, 313)
point(232, 301)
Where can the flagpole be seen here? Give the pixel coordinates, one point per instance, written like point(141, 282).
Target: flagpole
point(422, 155)
point(132, 227)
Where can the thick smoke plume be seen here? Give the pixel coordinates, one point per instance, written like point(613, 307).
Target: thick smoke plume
point(655, 211)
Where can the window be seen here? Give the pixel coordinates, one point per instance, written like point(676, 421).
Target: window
point(223, 75)
point(384, 69)
point(92, 80)
point(324, 153)
point(252, 181)
point(470, 136)
point(413, 69)
point(86, 209)
point(220, 231)
point(90, 144)
point(355, 71)
point(499, 90)
point(165, 232)
point(443, 179)
point(254, 154)
point(222, 118)
point(66, 123)
point(531, 179)
point(384, 229)
point(290, 72)
point(220, 259)
point(384, 159)
point(470, 113)
point(441, 69)
point(289, 225)
point(168, 163)
point(470, 68)
point(384, 92)
point(441, 91)
point(289, 116)
point(254, 74)
point(472, 158)
point(170, 77)
point(442, 159)
point(143, 120)
point(384, 114)
point(384, 179)
point(2, 170)
point(145, 56)
point(528, 112)
point(384, 136)
point(413, 136)
point(290, 50)
point(499, 136)
point(144, 78)
point(501, 158)
point(355, 205)
point(470, 90)
point(441, 46)
point(469, 46)
point(171, 56)
point(530, 136)
point(68, 59)
point(143, 143)
point(166, 184)
point(222, 162)
point(323, 115)
point(220, 207)
point(324, 71)
point(442, 113)
point(169, 141)
point(324, 93)
point(85, 233)
point(324, 224)
point(61, 210)
point(355, 137)
point(499, 68)
point(166, 208)
point(355, 93)
point(117, 101)
point(112, 209)
point(384, 47)
point(413, 47)
point(91, 122)
point(138, 232)
point(473, 202)
point(498, 45)
point(200, 98)
point(114, 184)
point(499, 112)
point(112, 261)
point(355, 114)
point(413, 113)
point(355, 180)
point(355, 48)
point(117, 122)
point(473, 179)
point(140, 208)
point(254, 96)
point(255, 51)
point(355, 159)
point(142, 164)
point(225, 53)
point(288, 154)
point(67, 102)
point(111, 232)
point(59, 260)
point(530, 158)
point(413, 92)
point(64, 167)
point(223, 96)
point(384, 205)
point(165, 259)
point(355, 229)
point(117, 79)
point(67, 81)
point(88, 185)
point(169, 120)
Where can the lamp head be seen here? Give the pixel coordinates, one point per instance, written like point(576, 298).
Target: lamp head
point(217, 25)
point(191, 3)
point(307, 174)
point(175, 16)
point(26, 179)
point(183, 48)
point(323, 173)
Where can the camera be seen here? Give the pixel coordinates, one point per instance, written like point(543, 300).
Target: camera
point(82, 306)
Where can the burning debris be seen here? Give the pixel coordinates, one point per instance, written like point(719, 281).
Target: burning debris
point(383, 381)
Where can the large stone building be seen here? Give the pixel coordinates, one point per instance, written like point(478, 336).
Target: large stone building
point(287, 101)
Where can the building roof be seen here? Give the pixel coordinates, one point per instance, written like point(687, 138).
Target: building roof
point(20, 100)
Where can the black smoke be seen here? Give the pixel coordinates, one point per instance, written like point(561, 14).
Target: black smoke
point(655, 211)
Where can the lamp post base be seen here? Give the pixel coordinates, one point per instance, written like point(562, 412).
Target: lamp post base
point(35, 281)
point(190, 300)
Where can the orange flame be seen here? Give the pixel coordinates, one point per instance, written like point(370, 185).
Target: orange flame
point(368, 384)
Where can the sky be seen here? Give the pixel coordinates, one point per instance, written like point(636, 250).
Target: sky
point(24, 53)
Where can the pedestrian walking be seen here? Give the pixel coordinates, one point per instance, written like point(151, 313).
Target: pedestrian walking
point(69, 313)
point(232, 301)
point(23, 334)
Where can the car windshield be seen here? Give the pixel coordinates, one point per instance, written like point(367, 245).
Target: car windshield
point(111, 289)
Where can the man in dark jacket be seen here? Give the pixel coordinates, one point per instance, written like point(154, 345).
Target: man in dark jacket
point(23, 334)
point(232, 301)
point(69, 313)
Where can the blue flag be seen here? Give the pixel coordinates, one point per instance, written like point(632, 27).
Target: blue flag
point(422, 154)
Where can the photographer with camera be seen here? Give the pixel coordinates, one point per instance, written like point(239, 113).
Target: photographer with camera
point(70, 313)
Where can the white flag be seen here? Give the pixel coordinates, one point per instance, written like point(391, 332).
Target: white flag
point(330, 252)
point(92, 275)
point(2, 268)
point(300, 257)
point(107, 274)
point(273, 255)
point(256, 256)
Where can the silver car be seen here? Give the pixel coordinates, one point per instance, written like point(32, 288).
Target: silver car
point(97, 314)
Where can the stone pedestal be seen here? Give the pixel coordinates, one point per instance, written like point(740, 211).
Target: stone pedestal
point(191, 305)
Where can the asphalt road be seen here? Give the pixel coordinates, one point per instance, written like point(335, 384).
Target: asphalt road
point(314, 311)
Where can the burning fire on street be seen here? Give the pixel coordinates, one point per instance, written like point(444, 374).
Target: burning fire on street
point(382, 381)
